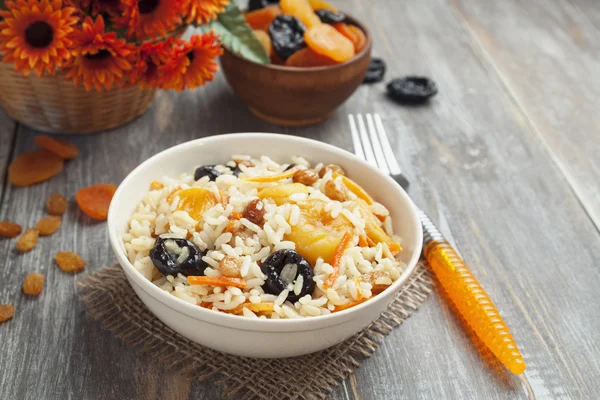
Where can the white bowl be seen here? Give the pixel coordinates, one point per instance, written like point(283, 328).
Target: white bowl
point(253, 337)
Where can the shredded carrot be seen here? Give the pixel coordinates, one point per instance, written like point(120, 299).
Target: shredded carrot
point(362, 241)
point(349, 305)
point(236, 215)
point(370, 242)
point(272, 178)
point(355, 188)
point(395, 248)
point(224, 197)
point(174, 193)
point(337, 257)
point(155, 185)
point(380, 217)
point(257, 308)
point(230, 226)
point(217, 281)
point(205, 304)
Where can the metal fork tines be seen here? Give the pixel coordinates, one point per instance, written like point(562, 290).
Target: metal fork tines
point(372, 144)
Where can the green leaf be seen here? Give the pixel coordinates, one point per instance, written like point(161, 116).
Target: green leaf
point(237, 35)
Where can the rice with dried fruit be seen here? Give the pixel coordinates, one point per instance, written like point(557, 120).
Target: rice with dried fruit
point(264, 240)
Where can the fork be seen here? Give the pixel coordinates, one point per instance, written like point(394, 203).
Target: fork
point(372, 145)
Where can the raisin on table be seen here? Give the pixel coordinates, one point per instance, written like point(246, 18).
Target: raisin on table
point(411, 89)
point(287, 35)
point(376, 71)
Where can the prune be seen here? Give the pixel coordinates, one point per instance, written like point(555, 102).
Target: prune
point(284, 267)
point(376, 71)
point(287, 35)
point(206, 170)
point(177, 256)
point(256, 4)
point(411, 89)
point(330, 17)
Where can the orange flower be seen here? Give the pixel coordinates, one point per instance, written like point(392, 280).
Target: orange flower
point(99, 59)
point(110, 7)
point(202, 11)
point(199, 56)
point(151, 18)
point(155, 66)
point(34, 34)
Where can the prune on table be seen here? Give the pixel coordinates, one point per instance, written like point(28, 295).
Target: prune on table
point(287, 35)
point(376, 71)
point(283, 268)
point(206, 170)
point(330, 17)
point(177, 256)
point(411, 89)
point(256, 4)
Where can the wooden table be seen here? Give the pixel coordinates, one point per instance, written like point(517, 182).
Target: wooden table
point(506, 159)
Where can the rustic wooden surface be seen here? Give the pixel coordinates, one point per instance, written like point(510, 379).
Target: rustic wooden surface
point(505, 159)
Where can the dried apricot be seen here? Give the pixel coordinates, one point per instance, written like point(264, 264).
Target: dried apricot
point(327, 41)
point(28, 240)
point(321, 5)
point(10, 229)
point(33, 284)
point(34, 167)
point(345, 30)
point(69, 262)
point(361, 39)
point(261, 19)
point(7, 311)
point(195, 201)
point(276, 60)
point(48, 225)
point(56, 204)
point(302, 10)
point(264, 39)
point(94, 200)
point(308, 58)
point(61, 148)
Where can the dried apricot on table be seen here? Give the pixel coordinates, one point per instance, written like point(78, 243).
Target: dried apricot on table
point(33, 284)
point(56, 204)
point(322, 5)
point(34, 167)
point(48, 225)
point(69, 262)
point(10, 229)
point(28, 240)
point(327, 41)
point(7, 311)
point(308, 58)
point(264, 39)
point(261, 19)
point(61, 148)
point(302, 10)
point(94, 200)
point(361, 39)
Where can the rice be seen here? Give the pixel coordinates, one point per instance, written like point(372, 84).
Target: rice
point(223, 230)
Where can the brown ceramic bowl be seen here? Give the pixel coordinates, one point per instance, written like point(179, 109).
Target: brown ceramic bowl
point(294, 96)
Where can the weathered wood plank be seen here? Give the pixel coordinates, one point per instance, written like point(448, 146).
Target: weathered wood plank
point(7, 135)
point(548, 56)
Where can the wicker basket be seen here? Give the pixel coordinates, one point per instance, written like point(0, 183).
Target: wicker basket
point(52, 104)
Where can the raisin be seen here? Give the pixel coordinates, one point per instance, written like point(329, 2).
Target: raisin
point(34, 167)
point(336, 169)
point(33, 284)
point(95, 200)
point(306, 177)
point(327, 41)
point(261, 19)
point(69, 262)
point(10, 229)
point(59, 147)
point(376, 71)
point(264, 39)
point(28, 240)
point(302, 10)
point(56, 204)
point(255, 212)
point(411, 89)
point(336, 190)
point(257, 4)
point(287, 35)
point(7, 311)
point(321, 5)
point(308, 58)
point(330, 17)
point(206, 170)
point(230, 267)
point(48, 225)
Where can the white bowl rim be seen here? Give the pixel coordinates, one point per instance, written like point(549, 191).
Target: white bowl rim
point(234, 321)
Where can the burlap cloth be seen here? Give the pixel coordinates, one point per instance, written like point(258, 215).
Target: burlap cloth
point(111, 301)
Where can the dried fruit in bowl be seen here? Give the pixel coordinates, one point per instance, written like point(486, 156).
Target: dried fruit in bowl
point(264, 39)
point(287, 35)
point(308, 58)
point(322, 5)
point(360, 38)
point(302, 10)
point(262, 18)
point(327, 41)
point(330, 17)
